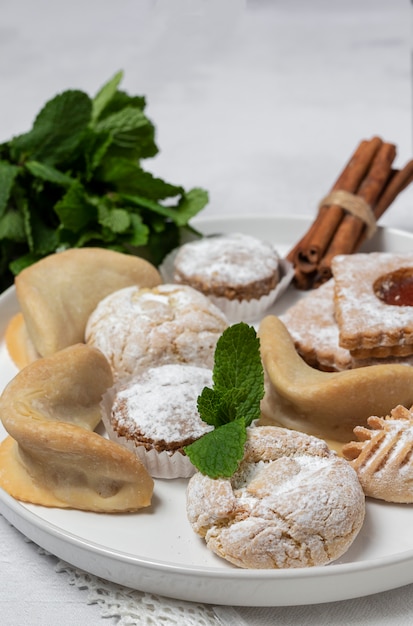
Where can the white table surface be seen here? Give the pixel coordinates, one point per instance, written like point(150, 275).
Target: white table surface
point(261, 103)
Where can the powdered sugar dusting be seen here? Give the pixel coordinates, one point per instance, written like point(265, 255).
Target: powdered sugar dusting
point(236, 259)
point(140, 328)
point(313, 327)
point(297, 509)
point(161, 405)
point(356, 301)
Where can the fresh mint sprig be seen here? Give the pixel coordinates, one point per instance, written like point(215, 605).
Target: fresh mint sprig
point(231, 404)
point(76, 179)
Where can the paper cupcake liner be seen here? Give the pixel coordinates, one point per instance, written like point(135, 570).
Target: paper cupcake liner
point(236, 310)
point(158, 464)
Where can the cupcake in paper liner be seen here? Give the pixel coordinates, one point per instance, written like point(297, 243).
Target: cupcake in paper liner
point(240, 274)
point(155, 415)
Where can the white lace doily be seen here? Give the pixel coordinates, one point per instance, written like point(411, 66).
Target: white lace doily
point(130, 607)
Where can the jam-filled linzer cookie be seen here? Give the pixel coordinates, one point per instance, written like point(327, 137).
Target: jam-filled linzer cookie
point(312, 325)
point(373, 303)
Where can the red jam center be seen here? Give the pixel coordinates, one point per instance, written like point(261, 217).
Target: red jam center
point(396, 288)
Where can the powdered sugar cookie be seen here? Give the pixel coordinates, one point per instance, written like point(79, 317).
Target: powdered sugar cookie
point(292, 503)
point(140, 328)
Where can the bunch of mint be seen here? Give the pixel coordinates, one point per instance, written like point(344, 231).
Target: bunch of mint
point(231, 405)
point(76, 179)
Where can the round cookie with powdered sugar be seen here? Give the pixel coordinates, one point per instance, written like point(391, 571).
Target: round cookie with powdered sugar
point(292, 503)
point(140, 328)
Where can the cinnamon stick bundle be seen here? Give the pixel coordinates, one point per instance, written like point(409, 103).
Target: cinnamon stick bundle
point(363, 191)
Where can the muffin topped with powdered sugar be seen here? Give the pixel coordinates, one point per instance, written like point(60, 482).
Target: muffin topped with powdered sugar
point(238, 272)
point(155, 415)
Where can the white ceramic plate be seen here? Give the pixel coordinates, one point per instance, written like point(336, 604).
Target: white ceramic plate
point(156, 551)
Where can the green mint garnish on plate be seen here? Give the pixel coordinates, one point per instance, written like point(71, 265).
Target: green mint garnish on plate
point(231, 405)
point(76, 178)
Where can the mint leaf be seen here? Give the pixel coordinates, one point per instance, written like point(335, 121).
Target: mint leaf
point(128, 177)
point(27, 223)
point(80, 155)
point(155, 207)
point(218, 408)
point(24, 261)
point(8, 174)
point(132, 133)
point(12, 226)
point(120, 101)
point(45, 239)
point(187, 207)
point(57, 130)
point(219, 452)
point(117, 220)
point(191, 203)
point(237, 365)
point(48, 173)
point(208, 407)
point(94, 148)
point(105, 95)
point(74, 209)
point(139, 232)
point(232, 403)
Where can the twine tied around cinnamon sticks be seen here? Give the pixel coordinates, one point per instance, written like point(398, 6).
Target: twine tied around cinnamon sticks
point(352, 204)
point(348, 214)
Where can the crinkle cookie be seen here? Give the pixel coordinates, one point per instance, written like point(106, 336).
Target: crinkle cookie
point(292, 503)
point(137, 328)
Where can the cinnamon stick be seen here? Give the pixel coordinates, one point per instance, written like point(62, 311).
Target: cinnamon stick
point(368, 179)
point(351, 227)
point(308, 252)
point(398, 181)
point(291, 256)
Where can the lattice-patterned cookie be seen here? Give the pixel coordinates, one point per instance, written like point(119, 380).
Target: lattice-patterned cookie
point(383, 456)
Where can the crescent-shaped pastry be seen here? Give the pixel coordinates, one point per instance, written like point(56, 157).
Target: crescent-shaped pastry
point(325, 404)
point(18, 343)
point(52, 456)
point(58, 293)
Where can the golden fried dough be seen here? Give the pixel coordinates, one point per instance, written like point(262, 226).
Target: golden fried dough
point(52, 456)
point(58, 293)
